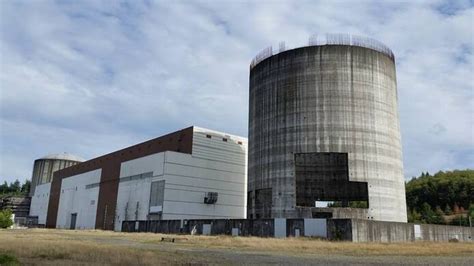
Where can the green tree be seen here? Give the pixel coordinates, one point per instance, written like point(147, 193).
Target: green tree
point(460, 221)
point(4, 188)
point(470, 213)
point(451, 188)
point(413, 216)
point(25, 188)
point(15, 187)
point(6, 218)
point(447, 210)
point(429, 216)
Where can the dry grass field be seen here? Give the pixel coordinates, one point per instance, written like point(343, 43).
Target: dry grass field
point(66, 247)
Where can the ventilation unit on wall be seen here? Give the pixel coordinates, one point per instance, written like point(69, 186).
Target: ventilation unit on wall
point(210, 198)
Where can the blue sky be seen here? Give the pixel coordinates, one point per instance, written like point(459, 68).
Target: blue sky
point(91, 77)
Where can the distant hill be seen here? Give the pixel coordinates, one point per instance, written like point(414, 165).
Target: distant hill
point(445, 197)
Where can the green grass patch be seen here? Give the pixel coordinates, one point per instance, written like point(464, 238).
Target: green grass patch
point(6, 259)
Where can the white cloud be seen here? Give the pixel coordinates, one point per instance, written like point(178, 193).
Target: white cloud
point(90, 77)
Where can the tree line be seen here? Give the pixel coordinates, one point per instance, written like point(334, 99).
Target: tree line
point(15, 188)
point(442, 198)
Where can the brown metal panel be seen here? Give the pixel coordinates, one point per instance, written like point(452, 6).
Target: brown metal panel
point(179, 141)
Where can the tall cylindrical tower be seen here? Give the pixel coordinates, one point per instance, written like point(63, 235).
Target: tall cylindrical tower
point(324, 127)
point(44, 168)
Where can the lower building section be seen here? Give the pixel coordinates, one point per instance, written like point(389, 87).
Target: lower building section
point(172, 185)
point(78, 201)
point(355, 230)
point(39, 203)
point(235, 227)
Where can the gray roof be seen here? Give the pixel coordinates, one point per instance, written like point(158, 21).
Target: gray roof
point(62, 156)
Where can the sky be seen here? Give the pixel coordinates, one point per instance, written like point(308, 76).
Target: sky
point(92, 77)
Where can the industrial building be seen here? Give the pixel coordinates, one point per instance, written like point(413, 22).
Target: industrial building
point(324, 127)
point(193, 173)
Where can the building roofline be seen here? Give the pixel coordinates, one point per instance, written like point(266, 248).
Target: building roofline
point(62, 156)
point(201, 129)
point(327, 39)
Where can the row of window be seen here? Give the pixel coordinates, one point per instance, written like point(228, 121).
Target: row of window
point(223, 139)
point(136, 177)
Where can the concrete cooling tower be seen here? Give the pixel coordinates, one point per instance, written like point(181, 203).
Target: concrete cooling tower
point(44, 168)
point(324, 128)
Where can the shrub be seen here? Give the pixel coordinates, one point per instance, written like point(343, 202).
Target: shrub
point(6, 218)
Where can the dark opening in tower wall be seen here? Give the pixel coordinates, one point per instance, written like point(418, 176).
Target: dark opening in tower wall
point(263, 203)
point(324, 176)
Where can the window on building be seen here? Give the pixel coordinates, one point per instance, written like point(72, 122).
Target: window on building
point(157, 195)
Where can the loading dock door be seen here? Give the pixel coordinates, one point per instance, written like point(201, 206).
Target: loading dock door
point(73, 221)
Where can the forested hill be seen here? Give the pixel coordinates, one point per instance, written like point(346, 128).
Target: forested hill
point(441, 197)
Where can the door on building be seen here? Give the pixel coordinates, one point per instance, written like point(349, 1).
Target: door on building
point(206, 229)
point(73, 221)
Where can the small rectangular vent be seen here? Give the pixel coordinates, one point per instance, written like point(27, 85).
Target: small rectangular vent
point(210, 198)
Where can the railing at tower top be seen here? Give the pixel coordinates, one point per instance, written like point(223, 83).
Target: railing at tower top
point(329, 39)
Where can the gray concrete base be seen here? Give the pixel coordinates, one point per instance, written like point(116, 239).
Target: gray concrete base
point(355, 230)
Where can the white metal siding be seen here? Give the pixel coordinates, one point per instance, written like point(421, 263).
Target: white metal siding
point(214, 166)
point(136, 191)
point(215, 148)
point(40, 202)
point(76, 198)
point(187, 180)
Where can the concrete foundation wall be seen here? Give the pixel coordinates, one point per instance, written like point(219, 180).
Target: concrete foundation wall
point(376, 231)
point(370, 231)
point(332, 229)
